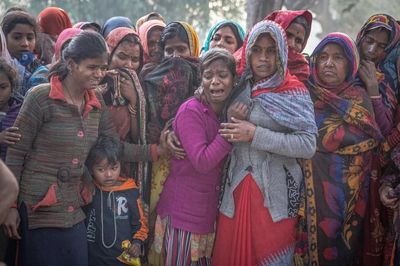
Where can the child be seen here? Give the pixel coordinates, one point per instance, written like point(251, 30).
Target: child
point(115, 215)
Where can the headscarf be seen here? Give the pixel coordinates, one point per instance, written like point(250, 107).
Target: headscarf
point(115, 37)
point(350, 51)
point(282, 96)
point(194, 43)
point(4, 50)
point(387, 68)
point(53, 20)
point(144, 30)
point(115, 22)
point(64, 36)
point(149, 17)
point(81, 25)
point(219, 25)
point(286, 17)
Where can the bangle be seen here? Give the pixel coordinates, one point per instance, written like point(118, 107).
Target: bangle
point(375, 96)
point(132, 110)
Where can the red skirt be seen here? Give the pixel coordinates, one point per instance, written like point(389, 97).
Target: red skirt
point(251, 237)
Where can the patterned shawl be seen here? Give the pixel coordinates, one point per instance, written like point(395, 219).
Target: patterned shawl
point(216, 27)
point(386, 68)
point(338, 176)
point(283, 96)
point(173, 81)
point(194, 43)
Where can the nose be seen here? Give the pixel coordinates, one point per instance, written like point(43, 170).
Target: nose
point(100, 73)
point(329, 61)
point(291, 43)
point(175, 54)
point(24, 42)
point(372, 48)
point(215, 80)
point(108, 173)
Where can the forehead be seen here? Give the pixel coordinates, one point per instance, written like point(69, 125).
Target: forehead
point(22, 29)
point(101, 60)
point(217, 64)
point(225, 30)
point(264, 40)
point(332, 48)
point(175, 42)
point(4, 78)
point(379, 35)
point(155, 32)
point(297, 29)
point(128, 47)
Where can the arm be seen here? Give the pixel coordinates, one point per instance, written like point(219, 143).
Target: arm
point(142, 233)
point(297, 144)
point(8, 190)
point(192, 133)
point(383, 115)
point(29, 122)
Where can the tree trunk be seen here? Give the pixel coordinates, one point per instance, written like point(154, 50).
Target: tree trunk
point(259, 9)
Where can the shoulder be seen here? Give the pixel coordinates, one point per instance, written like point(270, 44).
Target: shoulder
point(190, 107)
point(39, 92)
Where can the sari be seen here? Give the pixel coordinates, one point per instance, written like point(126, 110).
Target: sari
point(262, 188)
point(338, 176)
point(378, 239)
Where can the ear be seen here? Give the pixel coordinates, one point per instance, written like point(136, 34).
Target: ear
point(71, 65)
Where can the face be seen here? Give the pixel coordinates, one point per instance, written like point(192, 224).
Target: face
point(217, 82)
point(106, 174)
point(296, 35)
point(263, 58)
point(5, 90)
point(175, 47)
point(153, 44)
point(224, 38)
point(89, 72)
point(373, 45)
point(332, 65)
point(21, 39)
point(126, 55)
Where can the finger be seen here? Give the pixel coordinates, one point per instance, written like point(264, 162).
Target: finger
point(14, 231)
point(13, 135)
point(235, 120)
point(228, 125)
point(12, 129)
point(180, 156)
point(227, 131)
point(7, 231)
point(10, 142)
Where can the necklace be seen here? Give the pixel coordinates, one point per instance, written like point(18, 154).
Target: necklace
point(110, 205)
point(73, 102)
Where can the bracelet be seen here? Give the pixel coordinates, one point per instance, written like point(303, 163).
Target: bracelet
point(132, 110)
point(375, 97)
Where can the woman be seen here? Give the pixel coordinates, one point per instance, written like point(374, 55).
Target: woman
point(124, 97)
point(187, 209)
point(377, 39)
point(167, 87)
point(150, 36)
point(264, 179)
point(225, 34)
point(115, 22)
point(20, 30)
point(338, 176)
point(59, 122)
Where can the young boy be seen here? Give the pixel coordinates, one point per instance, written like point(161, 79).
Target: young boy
point(115, 214)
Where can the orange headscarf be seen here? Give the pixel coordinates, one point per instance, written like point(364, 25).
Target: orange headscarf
point(53, 20)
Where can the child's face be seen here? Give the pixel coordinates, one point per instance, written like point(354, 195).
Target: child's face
point(106, 174)
point(5, 90)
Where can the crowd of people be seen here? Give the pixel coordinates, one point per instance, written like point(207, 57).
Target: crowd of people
point(134, 145)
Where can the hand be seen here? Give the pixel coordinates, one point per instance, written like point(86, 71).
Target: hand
point(238, 131)
point(238, 110)
point(128, 88)
point(367, 72)
point(10, 136)
point(384, 193)
point(134, 250)
point(11, 224)
point(162, 148)
point(175, 146)
point(200, 95)
point(153, 133)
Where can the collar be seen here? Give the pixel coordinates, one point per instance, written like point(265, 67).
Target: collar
point(57, 93)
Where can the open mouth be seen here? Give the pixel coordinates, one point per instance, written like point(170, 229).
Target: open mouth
point(217, 93)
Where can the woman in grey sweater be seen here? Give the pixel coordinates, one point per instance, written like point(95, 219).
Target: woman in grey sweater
point(258, 213)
